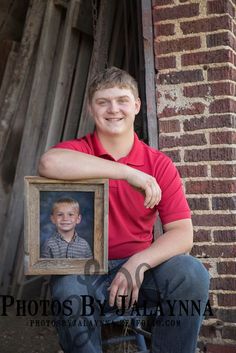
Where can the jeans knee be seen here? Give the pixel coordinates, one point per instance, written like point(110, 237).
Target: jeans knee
point(194, 276)
point(63, 287)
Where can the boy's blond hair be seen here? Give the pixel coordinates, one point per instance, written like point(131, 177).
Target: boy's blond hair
point(112, 77)
point(67, 200)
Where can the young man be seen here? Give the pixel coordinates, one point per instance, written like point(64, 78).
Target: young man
point(65, 242)
point(143, 183)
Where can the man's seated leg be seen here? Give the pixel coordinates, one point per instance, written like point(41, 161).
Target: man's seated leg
point(77, 322)
point(179, 288)
point(86, 301)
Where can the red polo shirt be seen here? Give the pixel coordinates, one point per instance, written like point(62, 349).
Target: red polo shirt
point(130, 223)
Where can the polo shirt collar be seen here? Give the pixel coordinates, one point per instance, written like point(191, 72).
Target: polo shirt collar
point(135, 156)
point(61, 237)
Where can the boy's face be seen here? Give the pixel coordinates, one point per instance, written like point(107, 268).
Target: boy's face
point(65, 217)
point(114, 110)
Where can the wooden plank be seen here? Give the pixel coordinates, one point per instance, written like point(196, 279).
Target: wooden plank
point(9, 52)
point(152, 124)
point(116, 50)
point(62, 3)
point(83, 10)
point(12, 98)
point(99, 57)
point(8, 165)
point(31, 140)
point(70, 43)
point(147, 25)
point(14, 94)
point(77, 94)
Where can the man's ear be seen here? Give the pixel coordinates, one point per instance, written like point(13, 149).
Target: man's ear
point(89, 108)
point(137, 105)
point(79, 219)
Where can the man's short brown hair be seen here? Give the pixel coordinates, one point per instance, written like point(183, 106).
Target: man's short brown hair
point(112, 77)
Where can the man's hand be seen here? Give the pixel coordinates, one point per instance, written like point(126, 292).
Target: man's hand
point(127, 283)
point(146, 184)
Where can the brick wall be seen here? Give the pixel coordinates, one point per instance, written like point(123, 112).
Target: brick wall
point(195, 57)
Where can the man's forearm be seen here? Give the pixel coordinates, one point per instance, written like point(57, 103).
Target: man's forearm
point(175, 241)
point(73, 165)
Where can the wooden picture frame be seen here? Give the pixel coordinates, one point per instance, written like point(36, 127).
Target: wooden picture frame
point(92, 195)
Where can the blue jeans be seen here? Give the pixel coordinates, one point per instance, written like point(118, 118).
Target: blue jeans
point(178, 289)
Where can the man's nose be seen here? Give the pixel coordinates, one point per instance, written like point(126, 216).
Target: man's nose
point(113, 107)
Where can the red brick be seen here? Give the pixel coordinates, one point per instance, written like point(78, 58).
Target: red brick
point(171, 13)
point(215, 121)
point(221, 73)
point(183, 140)
point(216, 348)
point(210, 186)
point(176, 77)
point(201, 235)
point(213, 220)
point(210, 154)
point(222, 137)
point(224, 203)
point(228, 283)
point(226, 299)
point(220, 6)
point(207, 57)
point(227, 268)
point(174, 155)
point(206, 265)
point(198, 203)
point(222, 106)
point(223, 170)
point(226, 315)
point(207, 25)
point(194, 109)
point(221, 39)
point(162, 2)
point(177, 45)
point(169, 125)
point(167, 29)
point(167, 62)
point(187, 171)
point(214, 89)
point(214, 251)
point(208, 331)
point(229, 332)
point(224, 236)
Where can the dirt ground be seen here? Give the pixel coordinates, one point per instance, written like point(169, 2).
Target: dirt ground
point(20, 335)
point(23, 335)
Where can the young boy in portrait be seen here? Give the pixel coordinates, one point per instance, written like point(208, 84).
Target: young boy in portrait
point(66, 242)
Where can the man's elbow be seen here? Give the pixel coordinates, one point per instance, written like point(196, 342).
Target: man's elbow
point(190, 245)
point(46, 165)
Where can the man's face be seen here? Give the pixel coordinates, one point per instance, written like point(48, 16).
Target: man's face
point(65, 217)
point(114, 110)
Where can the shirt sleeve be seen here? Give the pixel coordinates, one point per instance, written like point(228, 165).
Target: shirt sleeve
point(46, 251)
point(173, 205)
point(79, 145)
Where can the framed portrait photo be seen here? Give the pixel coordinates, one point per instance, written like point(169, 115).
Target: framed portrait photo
point(65, 226)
